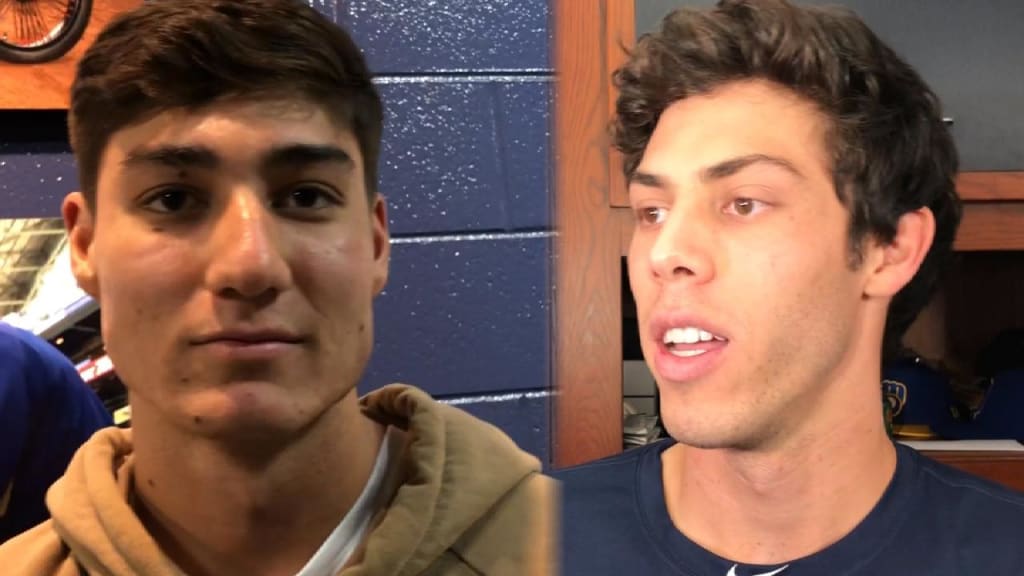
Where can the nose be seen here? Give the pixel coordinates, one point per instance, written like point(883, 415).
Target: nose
point(683, 248)
point(248, 255)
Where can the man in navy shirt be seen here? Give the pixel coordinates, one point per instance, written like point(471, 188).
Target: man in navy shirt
point(793, 187)
point(46, 413)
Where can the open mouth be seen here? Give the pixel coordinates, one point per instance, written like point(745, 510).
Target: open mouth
point(691, 341)
point(688, 348)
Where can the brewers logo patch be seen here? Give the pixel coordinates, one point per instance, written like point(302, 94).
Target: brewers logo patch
point(895, 393)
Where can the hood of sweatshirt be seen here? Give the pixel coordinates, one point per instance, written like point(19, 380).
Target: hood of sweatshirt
point(91, 511)
point(459, 471)
point(456, 470)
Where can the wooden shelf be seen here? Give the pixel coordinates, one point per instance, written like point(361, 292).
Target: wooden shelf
point(990, 186)
point(991, 226)
point(1007, 468)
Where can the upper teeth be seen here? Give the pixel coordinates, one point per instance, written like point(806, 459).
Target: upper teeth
point(688, 335)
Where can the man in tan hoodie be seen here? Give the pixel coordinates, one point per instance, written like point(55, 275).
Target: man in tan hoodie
point(230, 227)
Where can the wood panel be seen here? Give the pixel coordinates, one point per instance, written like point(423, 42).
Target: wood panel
point(621, 38)
point(991, 226)
point(46, 86)
point(587, 316)
point(1007, 468)
point(989, 186)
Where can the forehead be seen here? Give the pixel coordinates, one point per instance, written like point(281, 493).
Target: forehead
point(740, 118)
point(237, 131)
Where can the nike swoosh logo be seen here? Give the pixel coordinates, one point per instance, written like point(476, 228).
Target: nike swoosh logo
point(732, 571)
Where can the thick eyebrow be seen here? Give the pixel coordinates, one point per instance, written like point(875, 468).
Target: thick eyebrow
point(288, 155)
point(646, 179)
point(301, 155)
point(732, 166)
point(720, 170)
point(173, 157)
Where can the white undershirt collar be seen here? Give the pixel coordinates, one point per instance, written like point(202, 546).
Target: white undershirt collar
point(346, 537)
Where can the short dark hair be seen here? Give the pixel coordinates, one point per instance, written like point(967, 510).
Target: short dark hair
point(891, 153)
point(170, 54)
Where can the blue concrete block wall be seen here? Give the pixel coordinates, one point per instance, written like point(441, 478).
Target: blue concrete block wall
point(466, 154)
point(466, 169)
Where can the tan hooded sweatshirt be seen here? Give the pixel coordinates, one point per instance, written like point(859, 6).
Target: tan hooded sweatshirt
point(470, 502)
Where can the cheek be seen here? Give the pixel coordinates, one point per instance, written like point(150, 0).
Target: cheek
point(141, 286)
point(142, 270)
point(810, 298)
point(336, 275)
point(802, 254)
point(797, 278)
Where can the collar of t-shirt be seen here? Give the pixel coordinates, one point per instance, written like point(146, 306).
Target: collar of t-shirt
point(859, 546)
point(346, 537)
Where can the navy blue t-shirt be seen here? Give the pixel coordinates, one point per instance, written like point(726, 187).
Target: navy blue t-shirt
point(933, 520)
point(46, 413)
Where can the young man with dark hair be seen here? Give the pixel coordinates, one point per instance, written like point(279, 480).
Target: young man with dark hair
point(230, 227)
point(46, 413)
point(793, 185)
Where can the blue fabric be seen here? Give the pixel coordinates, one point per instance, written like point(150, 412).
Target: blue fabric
point(46, 413)
point(933, 520)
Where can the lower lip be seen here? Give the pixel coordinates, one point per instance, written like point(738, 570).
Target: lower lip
point(684, 369)
point(252, 351)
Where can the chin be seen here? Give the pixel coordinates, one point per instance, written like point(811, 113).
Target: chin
point(251, 409)
point(701, 441)
point(709, 433)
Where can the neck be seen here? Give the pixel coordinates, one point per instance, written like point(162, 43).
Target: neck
point(214, 513)
point(796, 498)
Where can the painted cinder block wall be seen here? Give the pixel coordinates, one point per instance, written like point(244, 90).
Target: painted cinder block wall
point(466, 169)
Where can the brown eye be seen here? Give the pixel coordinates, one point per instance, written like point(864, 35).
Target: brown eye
point(171, 201)
point(306, 198)
point(651, 215)
point(745, 206)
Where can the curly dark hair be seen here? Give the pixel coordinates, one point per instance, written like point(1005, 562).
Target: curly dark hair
point(170, 54)
point(891, 153)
